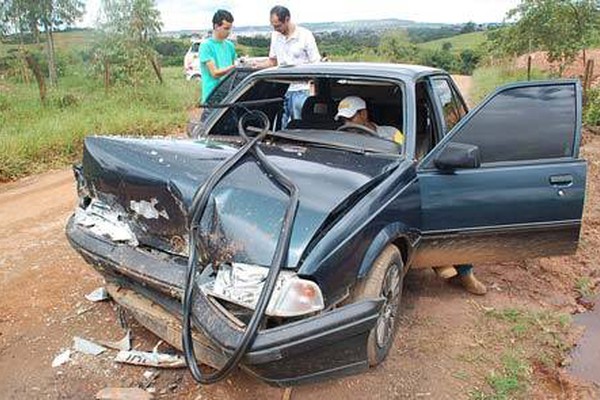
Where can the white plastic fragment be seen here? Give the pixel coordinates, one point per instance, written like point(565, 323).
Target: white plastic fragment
point(99, 294)
point(154, 359)
point(87, 347)
point(123, 344)
point(61, 359)
point(123, 394)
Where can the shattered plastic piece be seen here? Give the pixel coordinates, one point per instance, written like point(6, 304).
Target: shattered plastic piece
point(62, 358)
point(154, 359)
point(102, 220)
point(147, 209)
point(151, 375)
point(123, 344)
point(123, 394)
point(99, 294)
point(87, 347)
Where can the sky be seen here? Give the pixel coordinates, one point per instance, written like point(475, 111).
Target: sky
point(197, 14)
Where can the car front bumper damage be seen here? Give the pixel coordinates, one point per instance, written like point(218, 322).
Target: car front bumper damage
point(150, 285)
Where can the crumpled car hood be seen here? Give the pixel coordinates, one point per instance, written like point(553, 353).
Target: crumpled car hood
point(152, 182)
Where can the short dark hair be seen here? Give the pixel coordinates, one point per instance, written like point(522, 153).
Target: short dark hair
point(282, 13)
point(220, 16)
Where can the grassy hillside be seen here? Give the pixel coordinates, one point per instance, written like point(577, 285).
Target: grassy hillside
point(34, 137)
point(459, 42)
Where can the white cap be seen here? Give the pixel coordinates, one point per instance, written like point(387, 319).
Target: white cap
point(349, 106)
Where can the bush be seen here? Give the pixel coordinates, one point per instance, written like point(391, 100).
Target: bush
point(591, 112)
point(486, 79)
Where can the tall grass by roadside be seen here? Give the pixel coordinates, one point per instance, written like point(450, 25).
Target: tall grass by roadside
point(34, 137)
point(488, 78)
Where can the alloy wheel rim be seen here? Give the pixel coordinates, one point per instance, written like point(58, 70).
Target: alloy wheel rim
point(390, 290)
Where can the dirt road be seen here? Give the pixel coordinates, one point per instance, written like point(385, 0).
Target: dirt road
point(448, 346)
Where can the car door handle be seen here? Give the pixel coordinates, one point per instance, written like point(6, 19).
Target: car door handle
point(561, 180)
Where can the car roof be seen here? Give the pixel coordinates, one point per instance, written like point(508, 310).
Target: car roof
point(378, 70)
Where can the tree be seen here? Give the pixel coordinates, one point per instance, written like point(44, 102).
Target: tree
point(21, 16)
point(562, 28)
point(396, 47)
point(469, 27)
point(52, 14)
point(126, 45)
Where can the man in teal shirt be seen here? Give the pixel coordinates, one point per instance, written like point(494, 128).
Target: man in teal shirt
point(217, 54)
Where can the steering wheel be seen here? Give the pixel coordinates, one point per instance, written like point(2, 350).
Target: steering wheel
point(352, 127)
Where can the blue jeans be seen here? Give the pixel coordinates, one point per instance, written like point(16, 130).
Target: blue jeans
point(464, 269)
point(292, 106)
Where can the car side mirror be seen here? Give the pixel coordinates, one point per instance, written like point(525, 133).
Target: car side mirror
point(458, 155)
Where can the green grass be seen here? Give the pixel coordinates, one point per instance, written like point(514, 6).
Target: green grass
point(525, 338)
point(584, 286)
point(34, 137)
point(488, 78)
point(459, 42)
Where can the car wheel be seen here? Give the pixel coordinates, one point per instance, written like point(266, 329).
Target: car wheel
point(385, 280)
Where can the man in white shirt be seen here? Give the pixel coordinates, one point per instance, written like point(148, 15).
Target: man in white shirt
point(291, 45)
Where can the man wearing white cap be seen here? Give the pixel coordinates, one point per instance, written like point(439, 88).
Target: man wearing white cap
point(353, 110)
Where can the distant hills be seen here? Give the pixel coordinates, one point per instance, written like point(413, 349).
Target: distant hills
point(357, 25)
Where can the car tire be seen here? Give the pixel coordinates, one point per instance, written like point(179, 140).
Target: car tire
point(385, 279)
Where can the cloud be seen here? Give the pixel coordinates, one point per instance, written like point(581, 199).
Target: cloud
point(194, 14)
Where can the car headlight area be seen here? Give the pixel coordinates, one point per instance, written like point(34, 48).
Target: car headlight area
point(242, 284)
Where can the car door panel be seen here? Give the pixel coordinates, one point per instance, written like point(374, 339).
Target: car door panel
point(508, 209)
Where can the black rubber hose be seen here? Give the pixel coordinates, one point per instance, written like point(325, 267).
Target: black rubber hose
point(279, 259)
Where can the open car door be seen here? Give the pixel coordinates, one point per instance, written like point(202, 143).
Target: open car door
point(506, 183)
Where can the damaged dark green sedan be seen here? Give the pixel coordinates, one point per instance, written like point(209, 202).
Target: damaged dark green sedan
point(283, 250)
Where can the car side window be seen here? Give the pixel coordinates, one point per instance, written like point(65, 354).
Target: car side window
point(452, 107)
point(524, 123)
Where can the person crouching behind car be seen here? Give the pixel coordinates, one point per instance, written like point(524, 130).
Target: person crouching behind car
point(353, 110)
point(464, 275)
point(217, 54)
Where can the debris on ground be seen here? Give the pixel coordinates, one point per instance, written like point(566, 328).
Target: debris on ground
point(61, 359)
point(123, 394)
point(87, 347)
point(123, 344)
point(100, 294)
point(153, 359)
point(149, 378)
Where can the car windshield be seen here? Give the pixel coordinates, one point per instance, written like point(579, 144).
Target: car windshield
point(371, 121)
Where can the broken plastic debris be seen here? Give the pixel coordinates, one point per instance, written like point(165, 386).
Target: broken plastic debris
point(150, 375)
point(62, 358)
point(147, 209)
point(123, 394)
point(154, 359)
point(123, 344)
point(99, 294)
point(86, 347)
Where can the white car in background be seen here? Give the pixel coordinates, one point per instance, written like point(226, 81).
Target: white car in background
point(191, 64)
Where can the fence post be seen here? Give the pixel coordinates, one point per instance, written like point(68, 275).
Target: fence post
point(587, 78)
point(529, 67)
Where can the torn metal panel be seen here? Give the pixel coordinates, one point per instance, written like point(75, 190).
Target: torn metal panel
point(103, 220)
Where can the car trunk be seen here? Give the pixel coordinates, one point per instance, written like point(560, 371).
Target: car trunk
point(150, 183)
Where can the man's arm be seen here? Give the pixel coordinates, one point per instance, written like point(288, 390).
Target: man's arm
point(217, 72)
point(207, 58)
point(272, 60)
